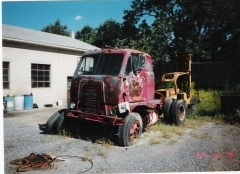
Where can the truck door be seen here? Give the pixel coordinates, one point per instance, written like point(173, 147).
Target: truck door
point(135, 77)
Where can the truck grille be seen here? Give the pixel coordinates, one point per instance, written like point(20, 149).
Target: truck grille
point(91, 98)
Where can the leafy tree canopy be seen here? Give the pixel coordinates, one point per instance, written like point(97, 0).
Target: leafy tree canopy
point(108, 33)
point(87, 34)
point(56, 28)
point(201, 27)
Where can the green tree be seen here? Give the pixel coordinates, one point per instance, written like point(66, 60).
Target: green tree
point(87, 34)
point(108, 33)
point(201, 27)
point(210, 29)
point(56, 28)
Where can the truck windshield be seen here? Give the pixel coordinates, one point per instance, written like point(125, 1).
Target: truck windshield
point(100, 64)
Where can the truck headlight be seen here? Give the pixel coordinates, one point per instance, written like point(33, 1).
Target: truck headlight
point(112, 111)
point(72, 105)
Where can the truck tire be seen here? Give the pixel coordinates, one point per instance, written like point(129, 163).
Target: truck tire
point(178, 112)
point(52, 120)
point(59, 122)
point(130, 132)
point(167, 110)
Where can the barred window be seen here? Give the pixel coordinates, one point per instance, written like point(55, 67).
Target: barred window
point(40, 75)
point(5, 73)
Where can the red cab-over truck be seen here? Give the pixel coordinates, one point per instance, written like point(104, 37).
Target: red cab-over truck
point(117, 87)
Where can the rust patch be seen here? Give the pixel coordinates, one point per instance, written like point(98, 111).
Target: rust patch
point(112, 89)
point(135, 90)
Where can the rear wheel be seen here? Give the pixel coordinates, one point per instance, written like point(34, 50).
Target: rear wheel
point(167, 110)
point(178, 112)
point(130, 132)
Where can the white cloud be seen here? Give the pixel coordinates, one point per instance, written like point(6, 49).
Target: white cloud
point(78, 17)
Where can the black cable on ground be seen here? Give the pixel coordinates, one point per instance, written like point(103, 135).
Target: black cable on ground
point(69, 156)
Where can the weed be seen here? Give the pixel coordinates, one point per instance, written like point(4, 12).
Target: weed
point(192, 123)
point(167, 135)
point(87, 149)
point(105, 142)
point(164, 128)
point(154, 141)
point(209, 102)
point(179, 130)
point(98, 150)
point(9, 146)
point(171, 142)
point(65, 133)
point(86, 157)
point(194, 135)
point(205, 136)
point(102, 154)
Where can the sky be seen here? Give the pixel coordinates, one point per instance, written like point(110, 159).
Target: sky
point(75, 14)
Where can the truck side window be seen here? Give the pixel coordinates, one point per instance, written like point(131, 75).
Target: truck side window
point(129, 66)
point(138, 62)
point(141, 61)
point(135, 63)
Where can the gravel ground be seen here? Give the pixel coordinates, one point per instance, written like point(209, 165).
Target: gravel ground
point(211, 147)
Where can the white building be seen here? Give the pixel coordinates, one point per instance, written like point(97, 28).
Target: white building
point(39, 63)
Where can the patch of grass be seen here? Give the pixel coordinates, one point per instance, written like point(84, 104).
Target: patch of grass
point(155, 140)
point(100, 151)
point(87, 149)
point(167, 135)
point(192, 123)
point(210, 102)
point(105, 142)
point(9, 146)
point(171, 142)
point(87, 157)
point(65, 133)
point(167, 129)
point(179, 130)
point(204, 136)
point(194, 135)
point(164, 128)
point(102, 154)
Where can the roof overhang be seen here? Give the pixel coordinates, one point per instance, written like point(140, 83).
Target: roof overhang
point(43, 44)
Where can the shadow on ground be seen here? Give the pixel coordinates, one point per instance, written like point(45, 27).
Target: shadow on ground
point(87, 131)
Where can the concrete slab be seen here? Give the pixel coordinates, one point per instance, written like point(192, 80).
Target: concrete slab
point(32, 117)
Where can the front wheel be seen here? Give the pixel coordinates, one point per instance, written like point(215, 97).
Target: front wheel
point(130, 132)
point(178, 111)
point(55, 121)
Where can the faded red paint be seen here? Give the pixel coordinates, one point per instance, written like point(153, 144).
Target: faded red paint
point(96, 96)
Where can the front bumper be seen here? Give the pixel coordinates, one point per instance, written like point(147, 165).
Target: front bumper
point(113, 120)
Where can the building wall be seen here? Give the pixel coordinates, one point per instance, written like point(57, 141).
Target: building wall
point(21, 56)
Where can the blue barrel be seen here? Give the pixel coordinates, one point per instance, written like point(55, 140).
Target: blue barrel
point(10, 103)
point(28, 102)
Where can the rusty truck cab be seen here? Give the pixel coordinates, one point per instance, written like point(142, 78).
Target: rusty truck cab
point(109, 84)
